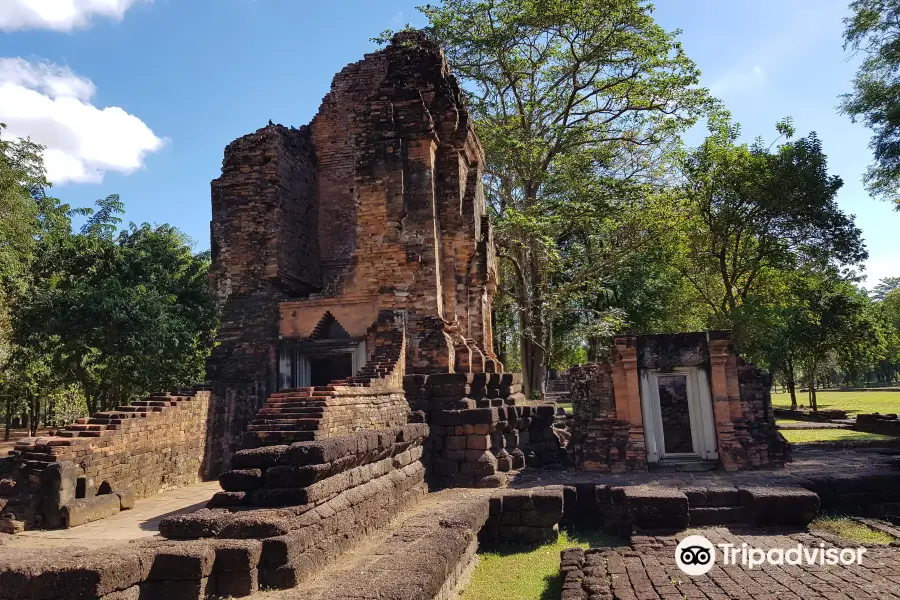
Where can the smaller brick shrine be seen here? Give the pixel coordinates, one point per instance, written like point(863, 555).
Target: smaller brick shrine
point(676, 400)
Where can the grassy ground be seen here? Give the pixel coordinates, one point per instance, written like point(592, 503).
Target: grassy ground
point(800, 436)
point(518, 572)
point(853, 401)
point(567, 406)
point(850, 530)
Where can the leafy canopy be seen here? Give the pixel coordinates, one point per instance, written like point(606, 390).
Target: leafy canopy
point(874, 29)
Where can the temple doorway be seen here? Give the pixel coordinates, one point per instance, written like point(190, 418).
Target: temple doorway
point(677, 414)
point(325, 369)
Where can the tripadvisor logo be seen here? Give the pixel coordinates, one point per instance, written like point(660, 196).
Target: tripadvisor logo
point(696, 555)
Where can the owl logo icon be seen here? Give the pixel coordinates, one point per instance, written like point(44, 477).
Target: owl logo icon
point(695, 555)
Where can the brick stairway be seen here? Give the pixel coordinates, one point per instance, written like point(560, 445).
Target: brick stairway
point(291, 415)
point(38, 452)
point(557, 391)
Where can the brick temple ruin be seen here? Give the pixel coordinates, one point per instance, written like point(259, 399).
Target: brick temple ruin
point(679, 400)
point(355, 376)
point(354, 264)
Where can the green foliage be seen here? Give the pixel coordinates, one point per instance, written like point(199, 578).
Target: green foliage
point(885, 287)
point(580, 105)
point(874, 29)
point(95, 318)
point(132, 314)
point(752, 213)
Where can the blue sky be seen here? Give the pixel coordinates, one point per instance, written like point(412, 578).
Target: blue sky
point(140, 98)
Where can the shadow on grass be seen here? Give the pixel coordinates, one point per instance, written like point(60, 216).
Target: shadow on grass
point(576, 537)
point(531, 571)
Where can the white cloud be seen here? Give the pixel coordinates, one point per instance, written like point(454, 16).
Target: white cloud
point(52, 105)
point(59, 15)
point(738, 81)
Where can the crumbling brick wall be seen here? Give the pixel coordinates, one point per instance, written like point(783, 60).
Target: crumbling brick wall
point(149, 446)
point(377, 206)
point(141, 449)
point(264, 250)
point(600, 439)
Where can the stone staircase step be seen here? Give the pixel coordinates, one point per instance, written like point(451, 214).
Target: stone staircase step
point(718, 515)
point(284, 437)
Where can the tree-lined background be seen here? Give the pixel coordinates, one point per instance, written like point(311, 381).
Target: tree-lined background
point(94, 317)
point(606, 222)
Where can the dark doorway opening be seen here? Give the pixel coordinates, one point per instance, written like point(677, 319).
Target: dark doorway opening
point(676, 420)
point(323, 370)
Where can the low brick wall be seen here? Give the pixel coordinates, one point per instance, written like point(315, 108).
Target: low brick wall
point(618, 510)
point(140, 450)
point(476, 447)
point(878, 423)
point(525, 516)
point(149, 446)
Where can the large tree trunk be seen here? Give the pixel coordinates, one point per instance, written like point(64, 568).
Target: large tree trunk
point(792, 383)
point(9, 417)
point(534, 372)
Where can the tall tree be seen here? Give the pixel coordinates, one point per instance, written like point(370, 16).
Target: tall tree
point(753, 212)
point(132, 313)
point(874, 29)
point(590, 90)
point(832, 317)
point(885, 287)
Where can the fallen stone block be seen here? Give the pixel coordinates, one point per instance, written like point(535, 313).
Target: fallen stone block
point(58, 486)
point(182, 561)
point(241, 480)
point(79, 512)
point(11, 526)
point(126, 499)
point(258, 458)
point(786, 506)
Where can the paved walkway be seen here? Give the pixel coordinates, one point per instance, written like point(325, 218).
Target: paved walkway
point(847, 463)
point(647, 571)
point(140, 522)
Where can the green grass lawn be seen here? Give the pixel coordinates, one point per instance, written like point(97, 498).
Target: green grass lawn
point(850, 530)
point(519, 572)
point(853, 402)
point(800, 436)
point(567, 406)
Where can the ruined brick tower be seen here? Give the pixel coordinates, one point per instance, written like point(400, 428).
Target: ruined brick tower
point(355, 250)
